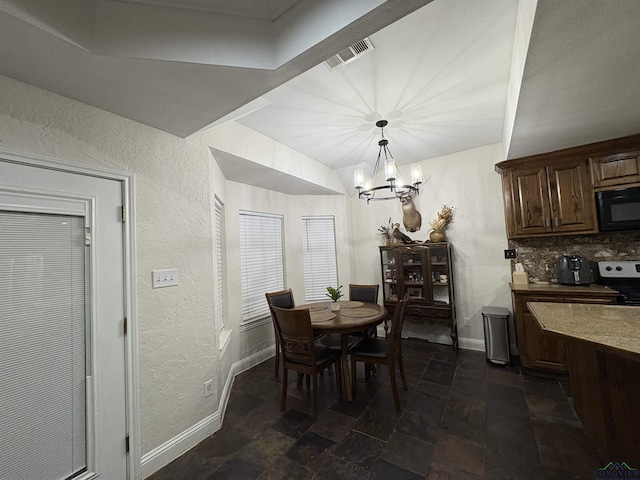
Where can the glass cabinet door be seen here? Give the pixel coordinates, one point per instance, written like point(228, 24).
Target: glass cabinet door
point(413, 275)
point(439, 268)
point(423, 272)
point(390, 275)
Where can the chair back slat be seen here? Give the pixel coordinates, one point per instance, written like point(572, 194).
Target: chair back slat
point(364, 293)
point(295, 349)
point(296, 334)
point(395, 335)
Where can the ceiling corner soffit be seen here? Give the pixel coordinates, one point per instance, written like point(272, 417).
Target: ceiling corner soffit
point(133, 30)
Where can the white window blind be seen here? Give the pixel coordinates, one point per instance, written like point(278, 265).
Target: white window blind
point(319, 256)
point(220, 270)
point(42, 346)
point(261, 262)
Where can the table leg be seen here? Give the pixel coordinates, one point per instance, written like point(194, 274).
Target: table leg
point(344, 341)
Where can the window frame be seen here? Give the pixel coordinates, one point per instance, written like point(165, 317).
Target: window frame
point(220, 267)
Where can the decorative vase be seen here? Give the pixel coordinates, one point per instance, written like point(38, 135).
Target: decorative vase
point(335, 306)
point(437, 236)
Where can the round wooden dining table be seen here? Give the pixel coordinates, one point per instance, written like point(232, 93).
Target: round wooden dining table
point(351, 317)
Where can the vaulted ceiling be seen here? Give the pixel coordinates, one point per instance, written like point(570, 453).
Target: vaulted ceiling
point(441, 72)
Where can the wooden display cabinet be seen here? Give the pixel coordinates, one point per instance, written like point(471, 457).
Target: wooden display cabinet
point(424, 271)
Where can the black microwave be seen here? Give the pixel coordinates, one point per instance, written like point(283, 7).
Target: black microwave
point(618, 209)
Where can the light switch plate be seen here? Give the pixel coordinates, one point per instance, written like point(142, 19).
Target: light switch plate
point(165, 278)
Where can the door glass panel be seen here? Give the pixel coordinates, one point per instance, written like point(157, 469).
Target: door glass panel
point(439, 260)
point(412, 275)
point(390, 272)
point(42, 346)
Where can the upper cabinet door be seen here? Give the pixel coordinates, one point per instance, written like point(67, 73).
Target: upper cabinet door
point(572, 204)
point(552, 193)
point(614, 170)
point(529, 198)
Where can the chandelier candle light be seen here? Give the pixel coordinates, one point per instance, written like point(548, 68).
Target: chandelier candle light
point(395, 188)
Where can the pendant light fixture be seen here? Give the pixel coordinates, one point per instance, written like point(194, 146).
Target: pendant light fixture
point(395, 188)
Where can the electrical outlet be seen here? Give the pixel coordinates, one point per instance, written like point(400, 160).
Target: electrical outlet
point(466, 321)
point(510, 253)
point(164, 278)
point(208, 388)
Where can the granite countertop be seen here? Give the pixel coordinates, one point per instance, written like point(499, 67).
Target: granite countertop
point(555, 287)
point(611, 328)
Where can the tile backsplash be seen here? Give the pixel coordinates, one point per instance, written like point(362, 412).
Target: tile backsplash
point(538, 255)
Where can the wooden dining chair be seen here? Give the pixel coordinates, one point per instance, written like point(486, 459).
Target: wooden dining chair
point(281, 299)
point(301, 353)
point(383, 351)
point(365, 293)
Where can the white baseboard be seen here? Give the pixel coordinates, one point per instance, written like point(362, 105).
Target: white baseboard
point(471, 344)
point(239, 367)
point(252, 360)
point(167, 452)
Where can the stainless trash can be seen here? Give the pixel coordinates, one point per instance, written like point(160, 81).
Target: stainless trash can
point(496, 334)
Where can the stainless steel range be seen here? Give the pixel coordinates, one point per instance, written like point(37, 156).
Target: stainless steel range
point(623, 277)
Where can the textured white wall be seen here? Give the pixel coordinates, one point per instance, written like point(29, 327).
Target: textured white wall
point(177, 338)
point(246, 197)
point(468, 182)
point(243, 142)
point(524, 24)
point(176, 181)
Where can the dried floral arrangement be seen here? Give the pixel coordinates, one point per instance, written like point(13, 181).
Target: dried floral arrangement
point(386, 231)
point(445, 217)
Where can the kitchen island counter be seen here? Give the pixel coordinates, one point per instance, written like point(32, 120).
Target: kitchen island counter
point(603, 349)
point(611, 328)
point(562, 289)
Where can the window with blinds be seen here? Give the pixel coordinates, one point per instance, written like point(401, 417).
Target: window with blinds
point(319, 256)
point(220, 264)
point(261, 262)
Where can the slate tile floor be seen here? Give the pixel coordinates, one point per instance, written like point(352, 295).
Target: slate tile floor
point(462, 418)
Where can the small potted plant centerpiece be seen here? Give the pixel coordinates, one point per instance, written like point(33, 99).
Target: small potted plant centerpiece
point(334, 294)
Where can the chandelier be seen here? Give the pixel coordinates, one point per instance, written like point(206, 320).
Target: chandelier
point(396, 187)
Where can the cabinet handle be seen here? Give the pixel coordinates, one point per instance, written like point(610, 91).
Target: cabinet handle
point(547, 222)
point(556, 221)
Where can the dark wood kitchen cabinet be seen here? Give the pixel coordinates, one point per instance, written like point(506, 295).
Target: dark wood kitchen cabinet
point(552, 193)
point(424, 271)
point(619, 169)
point(554, 198)
point(543, 352)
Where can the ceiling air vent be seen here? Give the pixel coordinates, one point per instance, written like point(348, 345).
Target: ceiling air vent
point(349, 54)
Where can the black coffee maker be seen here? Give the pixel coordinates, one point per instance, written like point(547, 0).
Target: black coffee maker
point(573, 270)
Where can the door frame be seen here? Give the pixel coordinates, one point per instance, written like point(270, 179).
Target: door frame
point(132, 398)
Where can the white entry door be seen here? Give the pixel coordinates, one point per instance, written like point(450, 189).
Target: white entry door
point(64, 378)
